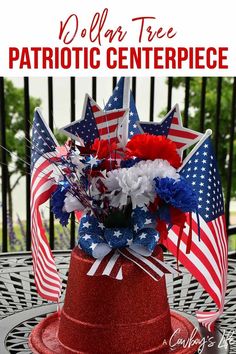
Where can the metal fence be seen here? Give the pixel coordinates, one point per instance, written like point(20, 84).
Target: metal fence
point(231, 228)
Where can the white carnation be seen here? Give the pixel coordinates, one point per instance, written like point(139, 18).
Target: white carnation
point(137, 182)
point(72, 203)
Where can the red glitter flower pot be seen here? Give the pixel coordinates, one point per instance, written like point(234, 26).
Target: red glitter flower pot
point(104, 315)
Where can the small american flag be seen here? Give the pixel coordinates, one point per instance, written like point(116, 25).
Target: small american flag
point(207, 260)
point(171, 127)
point(95, 123)
point(43, 154)
point(122, 97)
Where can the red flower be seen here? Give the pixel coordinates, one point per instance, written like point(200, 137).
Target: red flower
point(103, 148)
point(152, 147)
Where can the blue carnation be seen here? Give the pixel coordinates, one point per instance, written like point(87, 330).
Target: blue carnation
point(57, 202)
point(177, 193)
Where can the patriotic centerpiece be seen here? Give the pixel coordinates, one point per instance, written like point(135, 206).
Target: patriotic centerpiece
point(135, 192)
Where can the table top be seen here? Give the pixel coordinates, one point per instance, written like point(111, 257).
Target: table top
point(21, 308)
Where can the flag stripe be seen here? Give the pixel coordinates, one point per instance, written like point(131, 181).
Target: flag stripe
point(111, 130)
point(193, 264)
point(207, 260)
point(175, 120)
point(95, 108)
point(175, 132)
point(109, 116)
point(108, 265)
point(48, 266)
point(42, 246)
point(92, 271)
point(116, 271)
point(178, 144)
point(200, 250)
point(47, 280)
point(45, 253)
point(144, 263)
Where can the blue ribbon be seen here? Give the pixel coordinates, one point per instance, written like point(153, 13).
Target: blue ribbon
point(97, 240)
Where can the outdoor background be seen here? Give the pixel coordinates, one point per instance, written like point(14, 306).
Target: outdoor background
point(203, 106)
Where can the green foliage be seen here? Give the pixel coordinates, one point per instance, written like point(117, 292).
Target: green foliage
point(210, 117)
point(15, 137)
point(61, 138)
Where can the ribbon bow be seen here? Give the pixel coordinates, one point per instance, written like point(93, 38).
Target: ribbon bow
point(136, 243)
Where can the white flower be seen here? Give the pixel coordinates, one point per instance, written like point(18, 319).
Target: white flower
point(72, 203)
point(137, 182)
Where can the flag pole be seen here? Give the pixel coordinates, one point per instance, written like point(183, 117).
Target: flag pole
point(200, 142)
point(126, 101)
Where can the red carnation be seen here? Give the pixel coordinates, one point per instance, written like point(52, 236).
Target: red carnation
point(103, 148)
point(152, 147)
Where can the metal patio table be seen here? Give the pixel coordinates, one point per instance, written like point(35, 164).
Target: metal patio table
point(21, 308)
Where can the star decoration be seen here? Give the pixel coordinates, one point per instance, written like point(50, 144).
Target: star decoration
point(117, 233)
point(143, 235)
point(84, 130)
point(101, 226)
point(92, 161)
point(171, 126)
point(148, 221)
point(95, 123)
point(129, 241)
point(93, 246)
point(86, 237)
point(87, 224)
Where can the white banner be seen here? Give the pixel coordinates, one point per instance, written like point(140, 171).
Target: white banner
point(124, 38)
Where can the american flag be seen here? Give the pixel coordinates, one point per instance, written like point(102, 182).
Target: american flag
point(43, 153)
point(207, 260)
point(122, 97)
point(171, 126)
point(95, 123)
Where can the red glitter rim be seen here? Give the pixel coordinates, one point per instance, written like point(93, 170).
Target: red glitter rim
point(43, 339)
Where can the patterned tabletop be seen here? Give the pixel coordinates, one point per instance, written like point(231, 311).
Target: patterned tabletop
point(21, 308)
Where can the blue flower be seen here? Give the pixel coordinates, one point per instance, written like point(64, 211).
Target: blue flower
point(178, 193)
point(57, 202)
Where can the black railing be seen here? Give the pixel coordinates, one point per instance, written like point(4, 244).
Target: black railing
point(27, 159)
point(153, 95)
point(3, 166)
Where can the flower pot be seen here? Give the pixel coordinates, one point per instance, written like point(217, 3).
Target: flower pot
point(102, 315)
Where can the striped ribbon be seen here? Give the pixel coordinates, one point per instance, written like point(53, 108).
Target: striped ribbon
point(111, 265)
